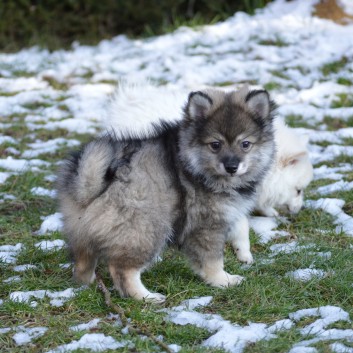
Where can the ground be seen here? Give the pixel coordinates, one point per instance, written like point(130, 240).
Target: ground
point(297, 296)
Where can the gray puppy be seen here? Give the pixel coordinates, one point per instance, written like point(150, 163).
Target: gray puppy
point(192, 183)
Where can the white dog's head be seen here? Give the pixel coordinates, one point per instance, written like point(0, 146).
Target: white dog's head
point(283, 188)
point(296, 173)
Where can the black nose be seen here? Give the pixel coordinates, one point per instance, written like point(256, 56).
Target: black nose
point(231, 169)
point(231, 164)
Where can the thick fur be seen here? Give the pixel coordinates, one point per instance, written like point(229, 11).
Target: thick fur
point(138, 105)
point(192, 183)
point(284, 185)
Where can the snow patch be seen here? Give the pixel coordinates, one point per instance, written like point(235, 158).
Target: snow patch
point(21, 165)
point(9, 253)
point(22, 268)
point(25, 335)
point(52, 223)
point(51, 146)
point(288, 248)
point(338, 186)
point(57, 298)
point(235, 338)
point(39, 191)
point(96, 342)
point(334, 173)
point(81, 327)
point(306, 274)
point(12, 279)
point(51, 245)
point(340, 348)
point(333, 207)
point(4, 176)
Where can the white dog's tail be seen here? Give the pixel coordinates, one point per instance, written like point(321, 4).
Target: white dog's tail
point(137, 105)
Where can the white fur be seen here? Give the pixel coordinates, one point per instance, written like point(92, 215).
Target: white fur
point(238, 234)
point(241, 242)
point(291, 172)
point(137, 290)
point(136, 105)
point(214, 274)
point(242, 168)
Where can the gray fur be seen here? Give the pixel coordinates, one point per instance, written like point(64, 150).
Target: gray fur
point(123, 199)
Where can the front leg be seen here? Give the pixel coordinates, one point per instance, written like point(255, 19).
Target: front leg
point(268, 212)
point(204, 249)
point(212, 272)
point(239, 238)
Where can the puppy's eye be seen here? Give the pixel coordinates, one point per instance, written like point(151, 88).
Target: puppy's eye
point(299, 192)
point(215, 146)
point(246, 145)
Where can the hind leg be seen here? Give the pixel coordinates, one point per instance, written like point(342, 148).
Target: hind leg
point(85, 265)
point(128, 283)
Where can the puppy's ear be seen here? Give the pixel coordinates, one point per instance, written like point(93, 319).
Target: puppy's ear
point(198, 106)
point(259, 103)
point(292, 160)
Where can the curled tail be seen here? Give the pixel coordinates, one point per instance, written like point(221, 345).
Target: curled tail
point(138, 104)
point(87, 174)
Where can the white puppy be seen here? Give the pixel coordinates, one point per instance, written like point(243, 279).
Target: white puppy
point(284, 185)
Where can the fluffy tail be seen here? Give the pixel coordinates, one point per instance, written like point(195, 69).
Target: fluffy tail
point(137, 105)
point(86, 174)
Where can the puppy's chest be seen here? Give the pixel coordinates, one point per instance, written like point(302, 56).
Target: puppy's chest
point(206, 211)
point(235, 209)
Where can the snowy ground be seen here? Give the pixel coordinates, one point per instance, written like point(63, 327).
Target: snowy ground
point(306, 63)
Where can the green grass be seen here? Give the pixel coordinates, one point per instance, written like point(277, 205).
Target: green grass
point(343, 100)
point(344, 81)
point(26, 24)
point(278, 42)
point(334, 124)
point(334, 67)
point(297, 121)
point(266, 296)
point(272, 86)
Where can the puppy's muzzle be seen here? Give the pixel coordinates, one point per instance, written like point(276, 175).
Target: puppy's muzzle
point(231, 169)
point(231, 165)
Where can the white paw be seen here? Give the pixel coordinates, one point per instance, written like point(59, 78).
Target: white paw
point(155, 298)
point(245, 256)
point(224, 279)
point(270, 212)
point(235, 280)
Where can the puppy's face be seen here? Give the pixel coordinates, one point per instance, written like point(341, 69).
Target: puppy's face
point(225, 155)
point(296, 175)
point(225, 134)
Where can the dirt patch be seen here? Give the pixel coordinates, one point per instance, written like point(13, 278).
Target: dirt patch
point(332, 10)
